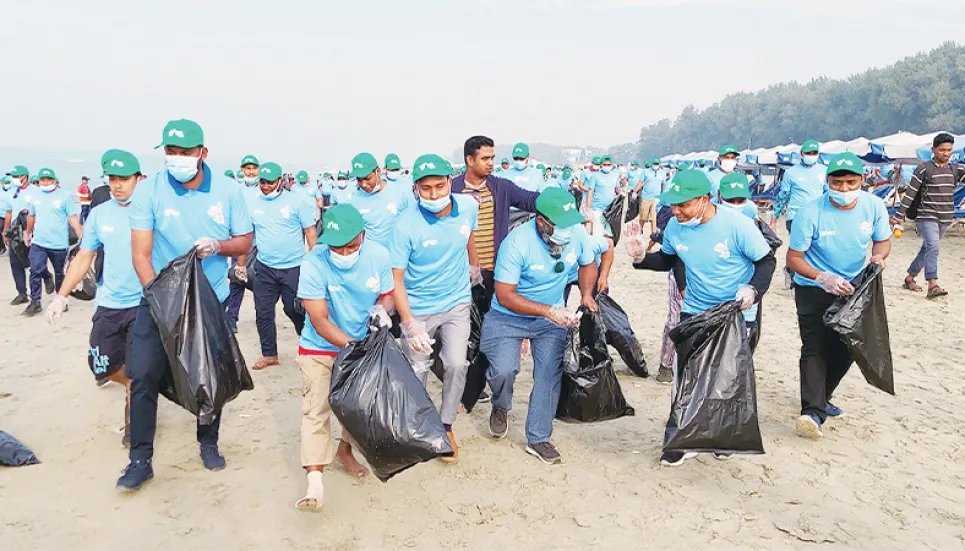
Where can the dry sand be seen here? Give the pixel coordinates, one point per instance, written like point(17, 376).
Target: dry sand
point(890, 475)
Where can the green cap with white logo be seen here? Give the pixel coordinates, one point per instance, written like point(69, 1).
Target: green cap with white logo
point(46, 173)
point(18, 170)
point(520, 151)
point(846, 162)
point(342, 176)
point(302, 176)
point(363, 164)
point(392, 162)
point(249, 160)
point(560, 207)
point(343, 223)
point(810, 146)
point(430, 165)
point(182, 133)
point(606, 159)
point(728, 149)
point(229, 173)
point(735, 186)
point(686, 185)
point(504, 161)
point(121, 163)
point(269, 172)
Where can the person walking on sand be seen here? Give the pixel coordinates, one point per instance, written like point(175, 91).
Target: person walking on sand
point(236, 291)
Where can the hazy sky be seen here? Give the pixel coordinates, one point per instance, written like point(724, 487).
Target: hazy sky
point(320, 80)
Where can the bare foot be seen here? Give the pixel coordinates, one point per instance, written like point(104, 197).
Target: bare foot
point(345, 456)
point(265, 362)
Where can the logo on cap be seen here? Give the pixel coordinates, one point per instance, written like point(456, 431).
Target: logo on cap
point(115, 162)
point(842, 162)
point(424, 166)
point(734, 185)
point(332, 226)
point(569, 206)
point(518, 150)
point(358, 165)
point(176, 132)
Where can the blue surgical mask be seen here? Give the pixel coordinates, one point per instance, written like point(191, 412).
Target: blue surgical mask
point(562, 236)
point(435, 206)
point(843, 198)
point(695, 221)
point(273, 194)
point(123, 203)
point(251, 181)
point(392, 175)
point(606, 169)
point(809, 160)
point(732, 205)
point(181, 167)
point(345, 262)
point(48, 189)
point(342, 184)
point(520, 164)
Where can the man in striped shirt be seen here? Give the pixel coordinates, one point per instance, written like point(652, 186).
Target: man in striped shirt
point(929, 202)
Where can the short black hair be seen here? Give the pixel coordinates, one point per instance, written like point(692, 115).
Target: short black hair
point(476, 143)
point(944, 137)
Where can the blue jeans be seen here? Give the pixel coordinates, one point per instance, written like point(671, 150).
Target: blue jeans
point(932, 233)
point(270, 285)
point(38, 268)
point(502, 338)
point(236, 294)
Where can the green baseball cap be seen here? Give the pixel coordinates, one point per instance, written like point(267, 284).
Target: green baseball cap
point(229, 173)
point(727, 149)
point(182, 133)
point(634, 163)
point(520, 151)
point(430, 165)
point(249, 160)
point(504, 161)
point(846, 162)
point(362, 165)
point(269, 171)
point(567, 172)
point(123, 164)
point(239, 174)
point(606, 159)
point(392, 162)
point(46, 173)
point(560, 207)
point(595, 160)
point(735, 186)
point(686, 185)
point(5, 180)
point(342, 176)
point(343, 223)
point(810, 146)
point(327, 175)
point(19, 170)
point(541, 166)
point(302, 176)
point(33, 179)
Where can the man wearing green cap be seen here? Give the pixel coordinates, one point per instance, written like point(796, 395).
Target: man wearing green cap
point(504, 164)
point(325, 187)
point(49, 215)
point(649, 186)
point(118, 296)
point(727, 162)
point(249, 171)
point(525, 177)
point(602, 188)
point(735, 192)
point(20, 196)
point(381, 205)
point(342, 192)
point(828, 249)
point(431, 255)
point(306, 189)
point(800, 185)
point(343, 283)
point(182, 208)
point(236, 291)
point(724, 254)
point(393, 172)
point(284, 222)
point(532, 270)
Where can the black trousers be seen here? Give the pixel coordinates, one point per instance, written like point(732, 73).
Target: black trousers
point(270, 285)
point(824, 357)
point(489, 283)
point(146, 365)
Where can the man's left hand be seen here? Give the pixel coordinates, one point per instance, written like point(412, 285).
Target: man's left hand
point(590, 304)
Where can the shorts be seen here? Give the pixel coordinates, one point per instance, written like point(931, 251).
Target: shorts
point(109, 338)
point(648, 211)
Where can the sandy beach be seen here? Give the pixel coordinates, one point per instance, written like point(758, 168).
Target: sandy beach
point(889, 475)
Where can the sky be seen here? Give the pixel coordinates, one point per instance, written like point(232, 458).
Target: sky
point(314, 82)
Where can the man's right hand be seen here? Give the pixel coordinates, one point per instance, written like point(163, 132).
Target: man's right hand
point(241, 272)
point(56, 308)
point(896, 220)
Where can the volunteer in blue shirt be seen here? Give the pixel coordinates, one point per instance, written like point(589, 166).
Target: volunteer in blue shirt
point(602, 250)
point(325, 186)
point(284, 221)
point(380, 204)
point(393, 172)
point(344, 281)
point(532, 269)
point(49, 214)
point(828, 249)
point(343, 193)
point(178, 209)
point(724, 254)
point(18, 204)
point(649, 186)
point(525, 177)
point(306, 189)
point(431, 253)
point(634, 175)
point(120, 293)
point(602, 187)
point(504, 164)
point(735, 193)
point(236, 291)
point(802, 183)
point(727, 161)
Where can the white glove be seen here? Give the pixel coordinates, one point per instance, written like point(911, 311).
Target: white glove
point(475, 276)
point(834, 284)
point(56, 308)
point(417, 337)
point(207, 247)
point(746, 295)
point(562, 317)
point(241, 272)
point(636, 247)
point(380, 315)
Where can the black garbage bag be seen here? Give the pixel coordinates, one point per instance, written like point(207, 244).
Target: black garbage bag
point(249, 268)
point(18, 245)
point(714, 407)
point(633, 208)
point(773, 241)
point(478, 363)
point(86, 290)
point(590, 391)
point(207, 369)
point(320, 224)
point(382, 404)
point(613, 215)
point(13, 453)
point(620, 335)
point(71, 236)
point(862, 322)
point(754, 337)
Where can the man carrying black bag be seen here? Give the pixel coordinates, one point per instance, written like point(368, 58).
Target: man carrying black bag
point(828, 248)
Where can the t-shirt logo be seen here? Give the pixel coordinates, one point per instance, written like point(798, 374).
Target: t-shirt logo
point(429, 243)
point(464, 230)
point(826, 233)
point(56, 203)
point(216, 212)
point(392, 208)
point(365, 211)
point(258, 212)
point(334, 288)
point(571, 257)
point(682, 248)
point(285, 212)
point(372, 284)
point(171, 212)
point(866, 228)
point(107, 229)
point(722, 250)
point(537, 267)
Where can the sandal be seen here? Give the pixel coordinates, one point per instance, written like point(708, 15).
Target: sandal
point(264, 362)
point(935, 291)
point(911, 285)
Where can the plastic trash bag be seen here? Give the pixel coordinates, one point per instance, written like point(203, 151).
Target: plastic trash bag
point(590, 391)
point(714, 407)
point(633, 207)
point(13, 453)
point(18, 245)
point(249, 268)
point(862, 322)
point(207, 369)
point(613, 215)
point(773, 241)
point(384, 407)
point(320, 224)
point(620, 335)
point(86, 290)
point(478, 363)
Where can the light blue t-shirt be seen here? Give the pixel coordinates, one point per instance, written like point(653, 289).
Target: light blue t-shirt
point(805, 184)
point(836, 241)
point(748, 209)
point(349, 293)
point(604, 188)
point(109, 226)
point(524, 260)
point(343, 195)
point(652, 184)
point(52, 210)
point(279, 224)
point(596, 244)
point(634, 177)
point(554, 182)
point(403, 181)
point(179, 217)
point(433, 252)
point(326, 186)
point(529, 178)
point(715, 176)
point(381, 211)
point(308, 190)
point(19, 199)
point(719, 257)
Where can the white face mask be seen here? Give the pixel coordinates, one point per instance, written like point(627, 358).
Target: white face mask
point(181, 167)
point(520, 164)
point(392, 174)
point(843, 198)
point(606, 169)
point(345, 262)
point(809, 160)
point(251, 181)
point(728, 165)
point(48, 189)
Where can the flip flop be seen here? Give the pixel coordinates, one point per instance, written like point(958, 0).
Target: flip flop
point(935, 291)
point(263, 363)
point(309, 505)
point(911, 285)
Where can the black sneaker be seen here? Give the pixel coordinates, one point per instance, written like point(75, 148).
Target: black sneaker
point(664, 375)
point(49, 285)
point(484, 398)
point(135, 475)
point(33, 309)
point(212, 458)
point(499, 423)
point(20, 299)
point(545, 452)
